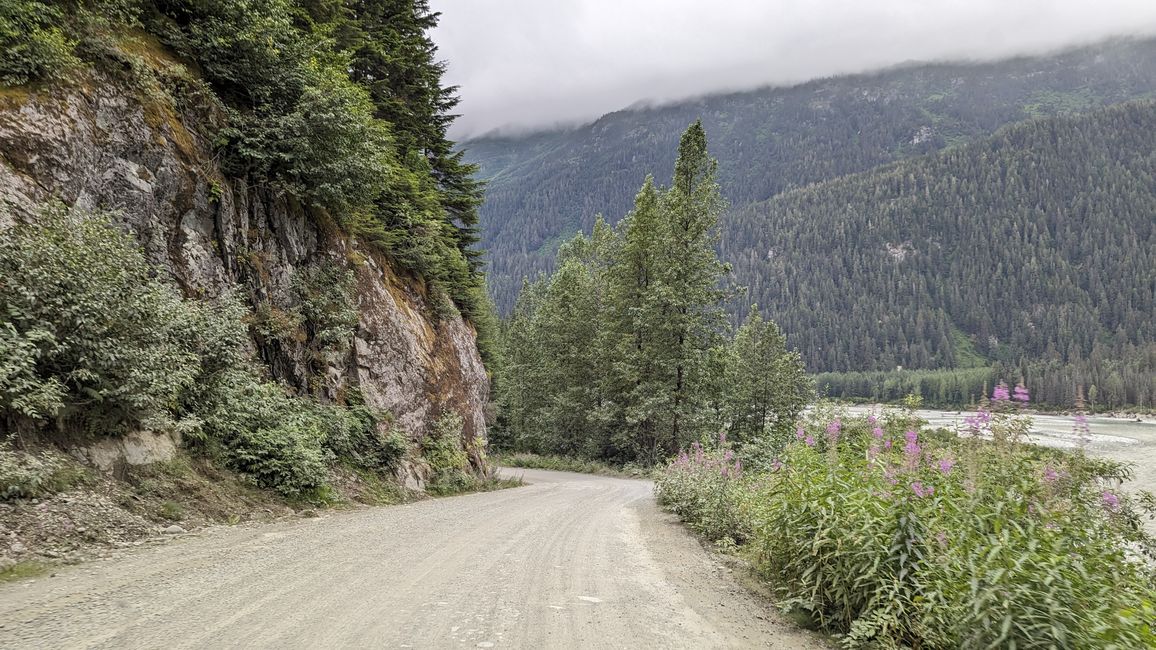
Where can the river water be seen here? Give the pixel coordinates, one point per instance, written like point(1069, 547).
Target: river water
point(1122, 439)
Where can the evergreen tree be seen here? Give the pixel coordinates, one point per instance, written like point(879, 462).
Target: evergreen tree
point(395, 59)
point(620, 354)
point(766, 385)
point(687, 289)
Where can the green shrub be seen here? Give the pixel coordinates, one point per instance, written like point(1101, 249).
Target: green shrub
point(442, 445)
point(442, 450)
point(25, 475)
point(90, 338)
point(328, 304)
point(267, 434)
point(363, 437)
point(706, 488)
point(32, 44)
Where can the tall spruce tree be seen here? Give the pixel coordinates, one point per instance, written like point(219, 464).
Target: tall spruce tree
point(394, 58)
point(688, 287)
point(633, 320)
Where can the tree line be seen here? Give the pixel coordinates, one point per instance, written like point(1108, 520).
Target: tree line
point(1035, 248)
point(623, 353)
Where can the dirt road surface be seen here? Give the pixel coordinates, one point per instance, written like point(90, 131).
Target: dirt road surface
point(568, 561)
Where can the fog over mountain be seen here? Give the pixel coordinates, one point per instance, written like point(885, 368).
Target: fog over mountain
point(527, 64)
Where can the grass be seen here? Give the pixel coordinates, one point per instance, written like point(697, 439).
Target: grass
point(463, 483)
point(22, 571)
point(569, 464)
point(172, 511)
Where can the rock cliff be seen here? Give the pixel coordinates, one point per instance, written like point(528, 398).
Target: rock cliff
point(98, 144)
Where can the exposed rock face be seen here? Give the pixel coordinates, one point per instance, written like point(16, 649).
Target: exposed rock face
point(136, 448)
point(100, 145)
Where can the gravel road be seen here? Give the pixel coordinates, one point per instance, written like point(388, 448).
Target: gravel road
point(568, 561)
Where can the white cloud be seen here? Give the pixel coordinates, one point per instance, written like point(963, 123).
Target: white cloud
point(531, 63)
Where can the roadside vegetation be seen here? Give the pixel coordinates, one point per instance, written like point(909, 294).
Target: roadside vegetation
point(96, 346)
point(571, 464)
point(890, 536)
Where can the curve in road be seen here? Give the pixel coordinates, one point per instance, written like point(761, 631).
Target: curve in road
point(567, 561)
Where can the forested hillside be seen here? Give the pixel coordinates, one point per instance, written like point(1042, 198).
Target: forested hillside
point(1037, 243)
point(543, 188)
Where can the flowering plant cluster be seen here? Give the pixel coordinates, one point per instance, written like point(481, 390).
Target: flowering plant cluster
point(892, 535)
point(704, 485)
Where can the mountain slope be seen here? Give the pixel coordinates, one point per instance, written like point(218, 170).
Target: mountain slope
point(1038, 242)
point(546, 186)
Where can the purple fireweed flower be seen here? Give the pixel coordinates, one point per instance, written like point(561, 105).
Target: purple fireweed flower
point(978, 423)
point(800, 434)
point(887, 444)
point(1021, 394)
point(810, 440)
point(922, 490)
point(833, 430)
point(728, 455)
point(1050, 474)
point(872, 453)
point(945, 465)
point(738, 468)
point(1111, 501)
point(889, 474)
point(912, 451)
point(877, 432)
point(776, 465)
point(1081, 430)
point(871, 419)
point(1000, 394)
point(722, 438)
point(912, 447)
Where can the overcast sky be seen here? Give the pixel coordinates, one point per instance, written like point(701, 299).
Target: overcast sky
point(525, 64)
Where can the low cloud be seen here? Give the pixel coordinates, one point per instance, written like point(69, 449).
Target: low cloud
point(527, 64)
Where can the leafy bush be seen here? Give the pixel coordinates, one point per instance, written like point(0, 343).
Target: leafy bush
point(32, 44)
point(442, 445)
point(24, 475)
point(263, 432)
point(328, 304)
point(705, 487)
point(362, 436)
point(90, 338)
point(896, 538)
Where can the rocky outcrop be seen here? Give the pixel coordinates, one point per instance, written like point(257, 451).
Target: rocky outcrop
point(136, 448)
point(101, 145)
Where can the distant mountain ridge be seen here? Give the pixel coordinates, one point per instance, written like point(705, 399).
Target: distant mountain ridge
point(1037, 243)
point(544, 187)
